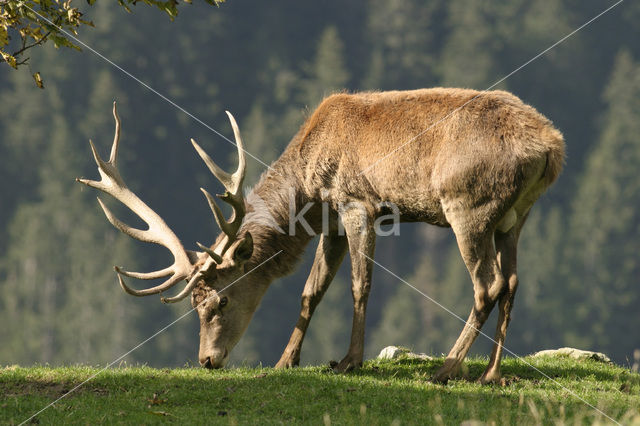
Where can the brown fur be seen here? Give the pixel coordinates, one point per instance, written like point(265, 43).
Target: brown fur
point(475, 161)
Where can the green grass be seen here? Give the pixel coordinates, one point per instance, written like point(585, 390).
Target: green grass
point(382, 392)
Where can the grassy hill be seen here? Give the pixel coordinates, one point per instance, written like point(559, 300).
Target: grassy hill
point(382, 392)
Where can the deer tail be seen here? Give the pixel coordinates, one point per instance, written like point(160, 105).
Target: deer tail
point(555, 155)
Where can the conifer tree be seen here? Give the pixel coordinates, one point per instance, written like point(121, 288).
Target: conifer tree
point(467, 58)
point(327, 72)
point(328, 334)
point(538, 313)
point(602, 300)
point(401, 322)
point(403, 44)
point(258, 134)
point(23, 135)
point(61, 298)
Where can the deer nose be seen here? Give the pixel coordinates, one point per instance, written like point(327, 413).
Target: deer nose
point(211, 362)
point(206, 363)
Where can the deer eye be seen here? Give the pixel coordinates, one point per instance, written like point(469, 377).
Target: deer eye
point(224, 301)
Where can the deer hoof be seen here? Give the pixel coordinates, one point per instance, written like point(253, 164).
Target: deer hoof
point(346, 365)
point(448, 371)
point(491, 377)
point(287, 362)
point(441, 378)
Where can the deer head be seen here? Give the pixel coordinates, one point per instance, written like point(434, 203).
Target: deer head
point(224, 308)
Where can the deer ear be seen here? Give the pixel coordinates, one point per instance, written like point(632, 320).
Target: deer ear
point(242, 249)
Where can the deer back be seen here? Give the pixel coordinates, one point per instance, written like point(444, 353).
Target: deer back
point(413, 148)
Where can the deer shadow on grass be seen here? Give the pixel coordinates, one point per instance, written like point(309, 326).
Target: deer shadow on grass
point(512, 369)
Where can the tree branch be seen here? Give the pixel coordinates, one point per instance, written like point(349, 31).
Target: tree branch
point(26, 47)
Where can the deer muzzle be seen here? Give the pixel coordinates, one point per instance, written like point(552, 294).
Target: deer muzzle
point(217, 359)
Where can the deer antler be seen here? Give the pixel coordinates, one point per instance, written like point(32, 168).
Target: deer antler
point(233, 195)
point(159, 233)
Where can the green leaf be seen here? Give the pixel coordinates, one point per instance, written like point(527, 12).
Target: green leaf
point(4, 36)
point(9, 59)
point(38, 79)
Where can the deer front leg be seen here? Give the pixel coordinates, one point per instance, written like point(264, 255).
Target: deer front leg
point(329, 255)
point(488, 283)
point(361, 237)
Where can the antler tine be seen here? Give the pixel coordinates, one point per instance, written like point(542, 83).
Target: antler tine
point(226, 227)
point(113, 158)
point(138, 234)
point(146, 275)
point(185, 291)
point(232, 183)
point(221, 175)
point(242, 166)
point(158, 232)
point(175, 279)
point(215, 256)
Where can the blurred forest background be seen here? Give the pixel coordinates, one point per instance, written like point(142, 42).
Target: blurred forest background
point(270, 63)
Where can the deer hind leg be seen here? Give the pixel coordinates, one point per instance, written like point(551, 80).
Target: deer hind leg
point(479, 255)
point(361, 237)
point(506, 246)
point(329, 255)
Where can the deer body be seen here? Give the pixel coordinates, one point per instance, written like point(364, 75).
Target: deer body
point(472, 161)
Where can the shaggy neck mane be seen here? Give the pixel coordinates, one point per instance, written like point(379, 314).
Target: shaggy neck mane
point(268, 218)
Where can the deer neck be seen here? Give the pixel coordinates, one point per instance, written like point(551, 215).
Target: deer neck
point(274, 221)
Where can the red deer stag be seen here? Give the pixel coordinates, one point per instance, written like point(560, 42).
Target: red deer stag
point(473, 161)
